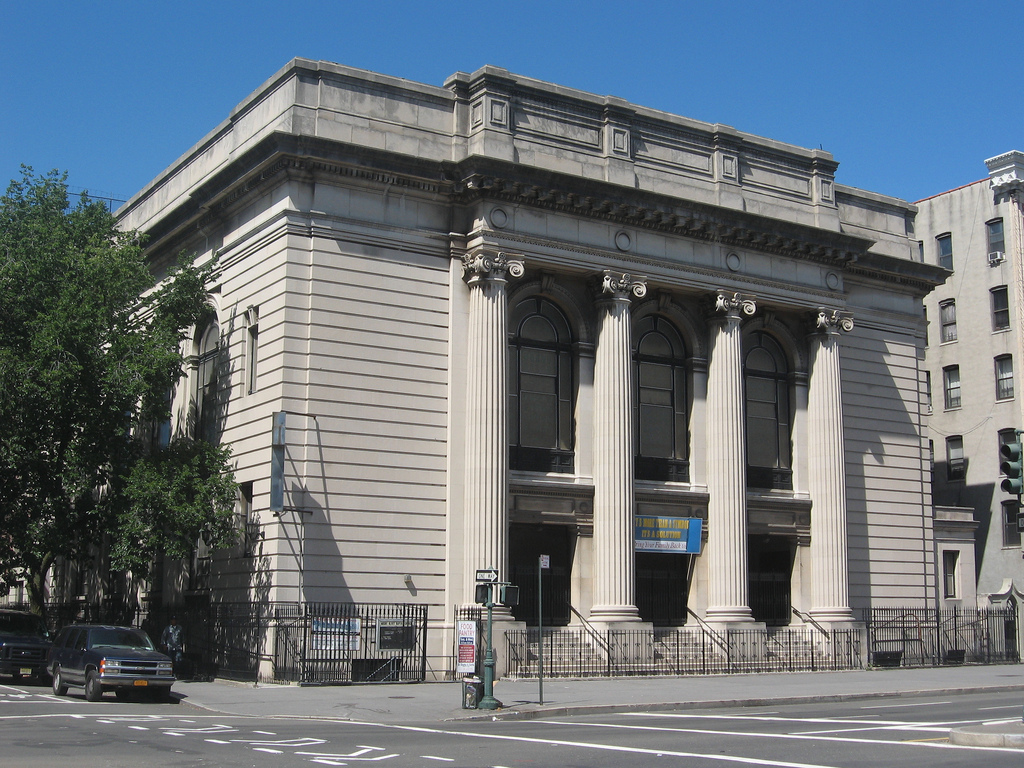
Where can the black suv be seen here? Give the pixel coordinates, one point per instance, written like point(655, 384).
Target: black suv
point(24, 641)
point(102, 657)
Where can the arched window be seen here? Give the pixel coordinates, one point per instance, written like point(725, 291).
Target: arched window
point(769, 415)
point(661, 404)
point(541, 389)
point(205, 393)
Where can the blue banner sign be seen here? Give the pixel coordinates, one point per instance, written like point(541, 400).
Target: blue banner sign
point(668, 534)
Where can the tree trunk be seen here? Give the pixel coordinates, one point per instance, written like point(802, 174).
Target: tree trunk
point(36, 584)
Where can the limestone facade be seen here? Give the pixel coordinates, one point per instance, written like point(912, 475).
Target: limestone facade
point(503, 317)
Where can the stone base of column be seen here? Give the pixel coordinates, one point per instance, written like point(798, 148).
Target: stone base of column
point(732, 617)
point(834, 618)
point(615, 617)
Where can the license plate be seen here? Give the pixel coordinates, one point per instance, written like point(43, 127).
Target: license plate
point(26, 670)
point(141, 683)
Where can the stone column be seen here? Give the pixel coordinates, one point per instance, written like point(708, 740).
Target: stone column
point(726, 551)
point(826, 481)
point(486, 455)
point(614, 572)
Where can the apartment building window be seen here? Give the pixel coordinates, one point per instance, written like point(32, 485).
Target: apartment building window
point(996, 243)
point(1011, 532)
point(945, 244)
point(950, 573)
point(956, 464)
point(947, 319)
point(951, 386)
point(928, 390)
point(1004, 377)
point(925, 312)
point(1000, 309)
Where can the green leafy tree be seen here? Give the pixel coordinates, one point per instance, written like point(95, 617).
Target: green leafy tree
point(90, 345)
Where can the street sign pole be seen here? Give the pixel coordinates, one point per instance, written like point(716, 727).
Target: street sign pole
point(489, 576)
point(540, 630)
point(541, 565)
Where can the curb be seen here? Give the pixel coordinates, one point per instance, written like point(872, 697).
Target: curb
point(603, 709)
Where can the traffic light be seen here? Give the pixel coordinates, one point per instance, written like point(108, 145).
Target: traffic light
point(509, 595)
point(1012, 467)
point(483, 593)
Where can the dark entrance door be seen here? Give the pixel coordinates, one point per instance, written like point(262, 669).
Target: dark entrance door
point(662, 586)
point(771, 570)
point(526, 544)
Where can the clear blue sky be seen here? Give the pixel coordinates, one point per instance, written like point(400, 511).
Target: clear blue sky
point(910, 97)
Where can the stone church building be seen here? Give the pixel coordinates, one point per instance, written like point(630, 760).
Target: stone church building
point(462, 327)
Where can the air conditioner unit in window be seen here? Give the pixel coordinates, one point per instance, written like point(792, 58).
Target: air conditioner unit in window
point(996, 257)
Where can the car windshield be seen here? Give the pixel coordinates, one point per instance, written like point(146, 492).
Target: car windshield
point(120, 638)
point(22, 624)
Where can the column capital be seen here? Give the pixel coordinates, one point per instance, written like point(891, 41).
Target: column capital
point(831, 321)
point(618, 286)
point(483, 265)
point(733, 305)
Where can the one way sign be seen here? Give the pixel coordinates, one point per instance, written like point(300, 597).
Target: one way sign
point(487, 574)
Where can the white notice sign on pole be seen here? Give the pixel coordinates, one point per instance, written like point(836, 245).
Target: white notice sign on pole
point(467, 648)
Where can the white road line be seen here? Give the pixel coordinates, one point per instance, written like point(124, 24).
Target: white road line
point(595, 746)
point(798, 737)
point(899, 706)
point(761, 718)
point(1012, 706)
point(270, 751)
point(358, 755)
point(443, 759)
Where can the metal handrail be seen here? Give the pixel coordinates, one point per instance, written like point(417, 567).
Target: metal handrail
point(715, 637)
point(601, 642)
point(808, 619)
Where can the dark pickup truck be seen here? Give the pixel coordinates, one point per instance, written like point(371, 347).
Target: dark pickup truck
point(24, 643)
point(102, 657)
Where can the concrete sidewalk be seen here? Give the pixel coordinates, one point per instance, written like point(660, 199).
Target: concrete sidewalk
point(438, 702)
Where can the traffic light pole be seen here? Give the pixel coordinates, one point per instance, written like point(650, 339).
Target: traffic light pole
point(488, 701)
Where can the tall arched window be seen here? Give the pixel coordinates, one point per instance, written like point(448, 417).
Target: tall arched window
point(541, 389)
point(205, 393)
point(769, 414)
point(661, 404)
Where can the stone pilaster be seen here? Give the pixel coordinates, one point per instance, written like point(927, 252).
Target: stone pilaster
point(486, 457)
point(614, 573)
point(826, 478)
point(726, 551)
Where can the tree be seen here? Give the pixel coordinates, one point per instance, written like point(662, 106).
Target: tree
point(90, 345)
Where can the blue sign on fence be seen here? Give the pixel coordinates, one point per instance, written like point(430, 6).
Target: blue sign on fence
point(668, 534)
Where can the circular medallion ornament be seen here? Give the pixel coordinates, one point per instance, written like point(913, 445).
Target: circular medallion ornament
point(832, 280)
point(732, 261)
point(623, 241)
point(499, 218)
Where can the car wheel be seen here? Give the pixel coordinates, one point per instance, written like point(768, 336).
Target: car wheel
point(93, 688)
point(58, 683)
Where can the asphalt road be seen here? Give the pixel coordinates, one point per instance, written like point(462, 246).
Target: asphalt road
point(39, 729)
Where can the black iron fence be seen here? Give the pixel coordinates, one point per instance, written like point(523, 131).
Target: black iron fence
point(920, 637)
point(312, 643)
point(353, 643)
point(584, 652)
